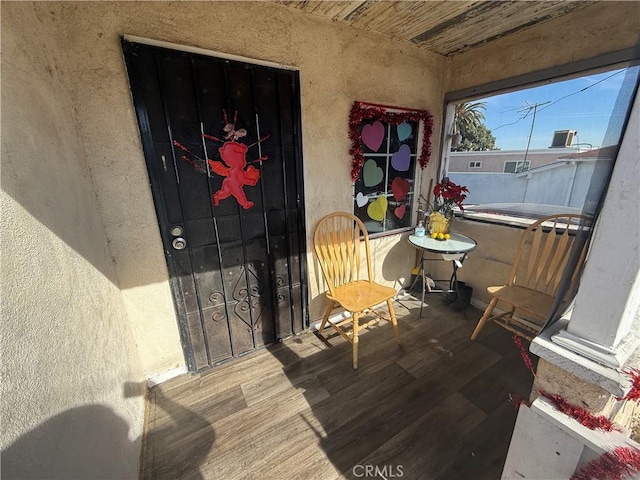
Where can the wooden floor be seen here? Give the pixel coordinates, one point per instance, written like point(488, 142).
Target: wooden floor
point(435, 407)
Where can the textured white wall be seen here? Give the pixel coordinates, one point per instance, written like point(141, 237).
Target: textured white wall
point(337, 66)
point(70, 405)
point(70, 130)
point(603, 27)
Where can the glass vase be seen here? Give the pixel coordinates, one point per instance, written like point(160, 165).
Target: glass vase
point(439, 223)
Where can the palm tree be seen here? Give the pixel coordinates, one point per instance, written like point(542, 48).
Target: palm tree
point(468, 115)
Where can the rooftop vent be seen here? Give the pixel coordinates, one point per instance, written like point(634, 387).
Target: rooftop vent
point(563, 138)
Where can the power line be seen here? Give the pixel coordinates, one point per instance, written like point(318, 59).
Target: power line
point(583, 89)
point(550, 103)
point(527, 108)
point(507, 124)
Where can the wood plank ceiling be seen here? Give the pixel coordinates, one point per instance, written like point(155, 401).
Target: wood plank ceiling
point(444, 27)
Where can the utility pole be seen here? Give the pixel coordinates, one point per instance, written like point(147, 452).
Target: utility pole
point(528, 109)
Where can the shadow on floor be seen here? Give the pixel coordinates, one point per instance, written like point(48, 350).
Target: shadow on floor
point(437, 406)
point(80, 443)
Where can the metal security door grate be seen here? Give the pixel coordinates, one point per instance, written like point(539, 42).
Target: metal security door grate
point(235, 251)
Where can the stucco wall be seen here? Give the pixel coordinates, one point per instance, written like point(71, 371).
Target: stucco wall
point(69, 135)
point(70, 405)
point(337, 66)
point(494, 160)
point(598, 29)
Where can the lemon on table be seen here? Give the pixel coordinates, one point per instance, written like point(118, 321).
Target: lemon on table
point(447, 236)
point(434, 235)
point(440, 236)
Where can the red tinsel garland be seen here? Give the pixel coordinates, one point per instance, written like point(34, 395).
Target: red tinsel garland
point(623, 462)
point(517, 401)
point(583, 416)
point(523, 353)
point(634, 393)
point(617, 465)
point(634, 373)
point(361, 112)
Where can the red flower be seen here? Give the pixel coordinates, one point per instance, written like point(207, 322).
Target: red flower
point(446, 195)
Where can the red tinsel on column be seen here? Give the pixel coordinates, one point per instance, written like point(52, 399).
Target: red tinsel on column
point(361, 112)
point(523, 353)
point(583, 416)
point(622, 463)
point(634, 393)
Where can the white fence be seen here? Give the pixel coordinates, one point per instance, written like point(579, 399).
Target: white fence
point(561, 183)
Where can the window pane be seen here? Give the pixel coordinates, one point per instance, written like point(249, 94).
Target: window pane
point(383, 193)
point(561, 134)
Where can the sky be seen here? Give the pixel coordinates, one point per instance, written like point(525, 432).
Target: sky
point(584, 104)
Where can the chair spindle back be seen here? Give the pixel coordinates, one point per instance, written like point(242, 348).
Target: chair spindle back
point(337, 243)
point(543, 253)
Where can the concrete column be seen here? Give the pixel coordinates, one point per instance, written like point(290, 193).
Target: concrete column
point(607, 305)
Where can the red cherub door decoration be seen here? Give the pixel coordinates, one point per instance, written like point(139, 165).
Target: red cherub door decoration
point(234, 166)
point(233, 154)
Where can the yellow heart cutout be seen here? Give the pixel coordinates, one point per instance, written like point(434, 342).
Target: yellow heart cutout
point(378, 209)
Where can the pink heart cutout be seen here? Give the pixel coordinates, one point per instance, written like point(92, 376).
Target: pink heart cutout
point(400, 211)
point(372, 135)
point(400, 187)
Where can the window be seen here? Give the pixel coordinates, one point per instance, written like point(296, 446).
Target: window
point(384, 146)
point(516, 167)
point(475, 164)
point(383, 194)
point(563, 133)
point(579, 123)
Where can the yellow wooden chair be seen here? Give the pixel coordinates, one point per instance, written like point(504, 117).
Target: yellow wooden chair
point(539, 264)
point(337, 242)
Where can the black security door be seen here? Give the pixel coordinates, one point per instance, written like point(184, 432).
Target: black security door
point(222, 145)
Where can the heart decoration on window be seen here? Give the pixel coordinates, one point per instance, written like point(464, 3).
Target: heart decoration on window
point(401, 159)
point(400, 210)
point(372, 135)
point(400, 187)
point(404, 131)
point(378, 209)
point(361, 200)
point(372, 174)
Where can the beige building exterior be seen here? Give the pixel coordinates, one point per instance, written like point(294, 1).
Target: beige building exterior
point(504, 161)
point(87, 312)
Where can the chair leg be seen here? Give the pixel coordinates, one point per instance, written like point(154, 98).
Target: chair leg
point(394, 322)
point(356, 319)
point(325, 319)
point(484, 317)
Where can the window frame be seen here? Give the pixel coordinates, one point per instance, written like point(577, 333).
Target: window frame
point(625, 58)
point(526, 165)
point(414, 179)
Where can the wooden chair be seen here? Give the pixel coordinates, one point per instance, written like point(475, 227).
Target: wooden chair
point(337, 242)
point(539, 264)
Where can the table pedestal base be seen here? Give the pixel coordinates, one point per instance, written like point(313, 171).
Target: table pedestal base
point(453, 283)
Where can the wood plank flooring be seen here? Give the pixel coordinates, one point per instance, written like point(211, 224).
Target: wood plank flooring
point(435, 407)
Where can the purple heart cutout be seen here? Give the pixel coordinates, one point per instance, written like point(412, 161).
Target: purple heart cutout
point(372, 135)
point(400, 159)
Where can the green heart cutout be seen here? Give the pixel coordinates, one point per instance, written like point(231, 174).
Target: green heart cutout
point(371, 173)
point(378, 209)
